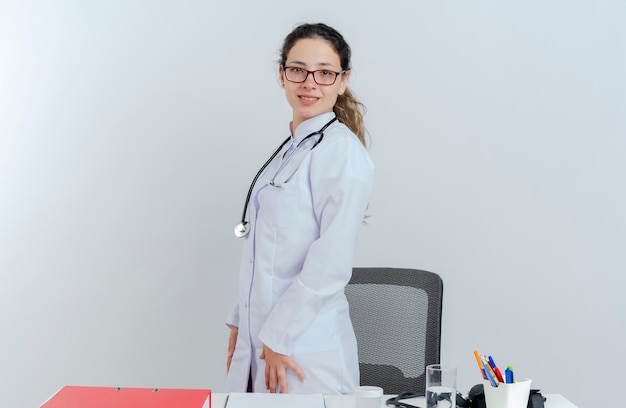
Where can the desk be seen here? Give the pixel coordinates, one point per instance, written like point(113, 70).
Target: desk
point(347, 401)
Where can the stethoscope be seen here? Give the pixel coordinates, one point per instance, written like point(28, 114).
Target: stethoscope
point(461, 401)
point(243, 227)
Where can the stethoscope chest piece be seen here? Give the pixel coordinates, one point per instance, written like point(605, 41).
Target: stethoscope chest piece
point(242, 229)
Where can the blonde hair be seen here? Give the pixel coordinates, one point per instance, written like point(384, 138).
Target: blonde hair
point(350, 112)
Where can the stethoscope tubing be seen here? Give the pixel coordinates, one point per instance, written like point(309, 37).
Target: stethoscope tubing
point(241, 229)
point(258, 174)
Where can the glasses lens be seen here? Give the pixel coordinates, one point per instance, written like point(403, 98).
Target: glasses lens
point(295, 74)
point(324, 77)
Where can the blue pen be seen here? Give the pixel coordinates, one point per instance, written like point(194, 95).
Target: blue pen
point(488, 372)
point(508, 373)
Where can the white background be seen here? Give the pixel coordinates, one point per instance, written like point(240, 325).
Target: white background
point(130, 130)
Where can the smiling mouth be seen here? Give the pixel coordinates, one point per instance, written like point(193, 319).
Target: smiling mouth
point(308, 98)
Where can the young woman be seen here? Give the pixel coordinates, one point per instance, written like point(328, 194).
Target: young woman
point(291, 329)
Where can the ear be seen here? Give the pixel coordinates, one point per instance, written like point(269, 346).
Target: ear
point(345, 77)
point(281, 76)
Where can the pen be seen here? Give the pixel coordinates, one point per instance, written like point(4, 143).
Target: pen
point(510, 379)
point(490, 374)
point(480, 364)
point(496, 370)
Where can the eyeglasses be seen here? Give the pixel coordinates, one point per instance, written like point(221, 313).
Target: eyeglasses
point(321, 76)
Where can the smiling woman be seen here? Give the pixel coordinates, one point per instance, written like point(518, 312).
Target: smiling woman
point(306, 95)
point(315, 44)
point(291, 329)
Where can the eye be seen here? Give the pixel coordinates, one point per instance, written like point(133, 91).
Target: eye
point(294, 70)
point(327, 73)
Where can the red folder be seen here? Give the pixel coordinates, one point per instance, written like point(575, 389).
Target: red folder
point(110, 397)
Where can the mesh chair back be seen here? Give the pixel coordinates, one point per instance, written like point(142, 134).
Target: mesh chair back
point(396, 314)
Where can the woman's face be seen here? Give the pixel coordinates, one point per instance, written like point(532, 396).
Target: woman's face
point(309, 99)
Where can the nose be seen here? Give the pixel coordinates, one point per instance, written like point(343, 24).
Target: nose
point(309, 80)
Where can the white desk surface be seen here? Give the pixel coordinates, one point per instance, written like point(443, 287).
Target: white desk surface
point(347, 401)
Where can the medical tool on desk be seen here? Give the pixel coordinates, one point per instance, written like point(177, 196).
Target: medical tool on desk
point(243, 228)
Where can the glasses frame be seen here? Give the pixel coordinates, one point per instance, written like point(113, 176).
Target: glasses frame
point(285, 67)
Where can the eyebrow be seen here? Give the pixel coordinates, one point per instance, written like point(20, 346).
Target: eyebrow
point(321, 64)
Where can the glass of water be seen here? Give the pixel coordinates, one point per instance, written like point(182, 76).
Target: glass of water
point(440, 386)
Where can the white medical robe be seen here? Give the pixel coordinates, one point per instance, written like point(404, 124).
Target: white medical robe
point(297, 260)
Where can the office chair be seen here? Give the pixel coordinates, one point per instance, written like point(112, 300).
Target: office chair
point(396, 314)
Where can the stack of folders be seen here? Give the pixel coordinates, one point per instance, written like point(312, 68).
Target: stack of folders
point(106, 397)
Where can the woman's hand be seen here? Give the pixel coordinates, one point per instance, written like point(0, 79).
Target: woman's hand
point(232, 341)
point(276, 366)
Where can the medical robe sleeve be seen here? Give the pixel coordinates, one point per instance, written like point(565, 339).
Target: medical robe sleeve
point(233, 318)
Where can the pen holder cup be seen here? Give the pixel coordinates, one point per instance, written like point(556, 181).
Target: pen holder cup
point(513, 395)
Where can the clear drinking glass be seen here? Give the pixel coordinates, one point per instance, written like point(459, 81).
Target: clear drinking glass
point(440, 386)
